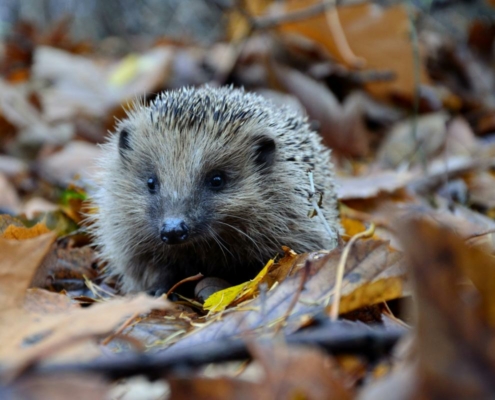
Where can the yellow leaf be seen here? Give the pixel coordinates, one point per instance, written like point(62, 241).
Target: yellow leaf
point(352, 226)
point(125, 71)
point(219, 301)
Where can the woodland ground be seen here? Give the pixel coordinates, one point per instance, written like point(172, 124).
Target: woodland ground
point(404, 308)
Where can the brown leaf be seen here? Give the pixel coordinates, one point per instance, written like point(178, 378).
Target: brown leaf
point(292, 372)
point(406, 142)
point(371, 185)
point(29, 337)
point(63, 267)
point(77, 159)
point(287, 373)
point(380, 36)
point(373, 274)
point(460, 138)
point(455, 321)
point(18, 264)
point(200, 388)
point(62, 387)
point(38, 301)
point(482, 189)
point(342, 127)
point(9, 200)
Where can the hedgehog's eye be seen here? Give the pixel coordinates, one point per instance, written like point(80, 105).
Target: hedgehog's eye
point(152, 183)
point(216, 180)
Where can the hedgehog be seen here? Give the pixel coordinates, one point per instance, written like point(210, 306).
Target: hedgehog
point(209, 180)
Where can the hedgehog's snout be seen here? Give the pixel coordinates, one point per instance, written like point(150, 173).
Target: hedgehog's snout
point(174, 231)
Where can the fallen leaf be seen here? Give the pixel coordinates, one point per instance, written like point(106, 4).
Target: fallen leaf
point(371, 185)
point(9, 200)
point(18, 264)
point(453, 334)
point(39, 301)
point(373, 274)
point(378, 35)
point(407, 142)
point(66, 268)
point(73, 386)
point(286, 373)
point(481, 188)
point(236, 294)
point(30, 337)
point(460, 138)
point(292, 372)
point(22, 233)
point(76, 159)
point(341, 126)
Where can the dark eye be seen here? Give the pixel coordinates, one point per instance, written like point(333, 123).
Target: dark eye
point(216, 181)
point(152, 183)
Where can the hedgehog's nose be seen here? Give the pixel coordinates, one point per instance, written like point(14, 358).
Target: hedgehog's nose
point(174, 231)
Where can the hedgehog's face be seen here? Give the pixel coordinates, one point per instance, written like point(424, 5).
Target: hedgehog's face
point(192, 188)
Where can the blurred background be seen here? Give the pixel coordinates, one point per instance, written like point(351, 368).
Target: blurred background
point(403, 92)
point(200, 20)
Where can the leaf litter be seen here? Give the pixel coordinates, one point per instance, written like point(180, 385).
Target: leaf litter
point(410, 123)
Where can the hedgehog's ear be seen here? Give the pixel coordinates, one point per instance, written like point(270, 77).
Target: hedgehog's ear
point(264, 152)
point(124, 142)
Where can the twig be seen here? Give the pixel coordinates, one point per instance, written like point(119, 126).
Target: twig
point(329, 7)
point(416, 93)
point(270, 21)
point(341, 337)
point(479, 234)
point(296, 296)
point(188, 279)
point(127, 322)
point(343, 47)
point(334, 312)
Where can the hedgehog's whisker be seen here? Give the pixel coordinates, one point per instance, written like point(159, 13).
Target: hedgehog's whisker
point(218, 240)
point(256, 245)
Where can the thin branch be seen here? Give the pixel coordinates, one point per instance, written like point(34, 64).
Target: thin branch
point(341, 337)
point(334, 312)
point(188, 279)
point(339, 37)
point(271, 21)
point(296, 296)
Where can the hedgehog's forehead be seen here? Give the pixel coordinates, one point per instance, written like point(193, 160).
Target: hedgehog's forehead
point(216, 119)
point(175, 145)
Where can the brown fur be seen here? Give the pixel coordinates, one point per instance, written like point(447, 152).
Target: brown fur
point(181, 137)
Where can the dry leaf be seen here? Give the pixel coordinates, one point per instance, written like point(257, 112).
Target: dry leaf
point(77, 159)
point(341, 126)
point(22, 233)
point(371, 185)
point(455, 322)
point(407, 142)
point(286, 373)
point(18, 264)
point(9, 200)
point(373, 274)
point(292, 372)
point(29, 337)
point(62, 387)
point(379, 36)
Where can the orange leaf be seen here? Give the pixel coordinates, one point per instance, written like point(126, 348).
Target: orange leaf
point(22, 233)
point(380, 36)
